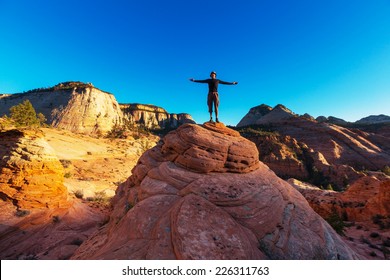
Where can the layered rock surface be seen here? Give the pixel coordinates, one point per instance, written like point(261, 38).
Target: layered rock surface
point(202, 193)
point(153, 117)
point(31, 176)
point(83, 109)
point(329, 151)
point(366, 198)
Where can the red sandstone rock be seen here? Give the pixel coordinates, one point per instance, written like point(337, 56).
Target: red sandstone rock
point(31, 176)
point(365, 198)
point(202, 194)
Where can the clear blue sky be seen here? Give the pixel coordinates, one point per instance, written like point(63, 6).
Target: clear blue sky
point(318, 57)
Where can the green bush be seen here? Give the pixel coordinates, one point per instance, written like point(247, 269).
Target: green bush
point(336, 222)
point(24, 114)
point(386, 170)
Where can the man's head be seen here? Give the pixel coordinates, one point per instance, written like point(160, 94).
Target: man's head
point(213, 74)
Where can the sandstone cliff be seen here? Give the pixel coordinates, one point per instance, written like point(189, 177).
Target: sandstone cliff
point(153, 117)
point(76, 107)
point(83, 108)
point(202, 193)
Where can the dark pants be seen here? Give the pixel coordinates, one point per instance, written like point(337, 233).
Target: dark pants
point(212, 97)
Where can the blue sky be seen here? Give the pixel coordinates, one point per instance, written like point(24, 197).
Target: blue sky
point(317, 57)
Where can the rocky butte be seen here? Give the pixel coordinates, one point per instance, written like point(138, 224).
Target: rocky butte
point(202, 193)
point(83, 108)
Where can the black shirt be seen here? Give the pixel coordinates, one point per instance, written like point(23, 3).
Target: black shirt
point(213, 84)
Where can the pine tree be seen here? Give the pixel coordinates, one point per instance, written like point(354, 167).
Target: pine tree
point(24, 114)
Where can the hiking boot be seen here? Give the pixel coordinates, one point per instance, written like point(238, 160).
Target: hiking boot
point(211, 120)
point(217, 120)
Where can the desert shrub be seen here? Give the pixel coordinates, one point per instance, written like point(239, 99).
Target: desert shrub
point(128, 206)
point(145, 145)
point(100, 196)
point(373, 254)
point(22, 213)
point(56, 219)
point(77, 242)
point(118, 131)
point(381, 221)
point(24, 114)
point(65, 163)
point(329, 187)
point(386, 170)
point(336, 222)
point(386, 242)
point(68, 175)
point(79, 194)
point(374, 235)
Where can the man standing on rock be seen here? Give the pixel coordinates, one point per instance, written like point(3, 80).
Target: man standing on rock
point(212, 97)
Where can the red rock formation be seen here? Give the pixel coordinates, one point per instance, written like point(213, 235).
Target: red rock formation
point(366, 197)
point(334, 153)
point(31, 176)
point(38, 220)
point(201, 193)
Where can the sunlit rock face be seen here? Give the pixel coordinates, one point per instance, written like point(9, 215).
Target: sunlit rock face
point(76, 107)
point(201, 193)
point(153, 117)
point(31, 176)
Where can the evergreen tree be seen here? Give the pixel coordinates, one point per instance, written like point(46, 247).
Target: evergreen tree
point(24, 114)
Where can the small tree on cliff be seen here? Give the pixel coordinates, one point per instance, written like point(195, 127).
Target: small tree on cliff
point(24, 114)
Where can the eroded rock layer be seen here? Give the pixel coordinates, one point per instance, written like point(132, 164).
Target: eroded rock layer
point(201, 193)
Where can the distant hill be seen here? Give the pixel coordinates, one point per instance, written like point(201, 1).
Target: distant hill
point(83, 108)
point(374, 119)
point(153, 117)
point(317, 151)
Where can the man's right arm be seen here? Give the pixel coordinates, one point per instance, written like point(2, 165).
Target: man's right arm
point(199, 81)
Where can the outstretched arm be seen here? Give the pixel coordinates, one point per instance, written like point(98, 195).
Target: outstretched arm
point(228, 83)
point(199, 81)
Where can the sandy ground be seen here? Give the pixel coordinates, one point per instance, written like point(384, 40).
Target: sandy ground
point(96, 164)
